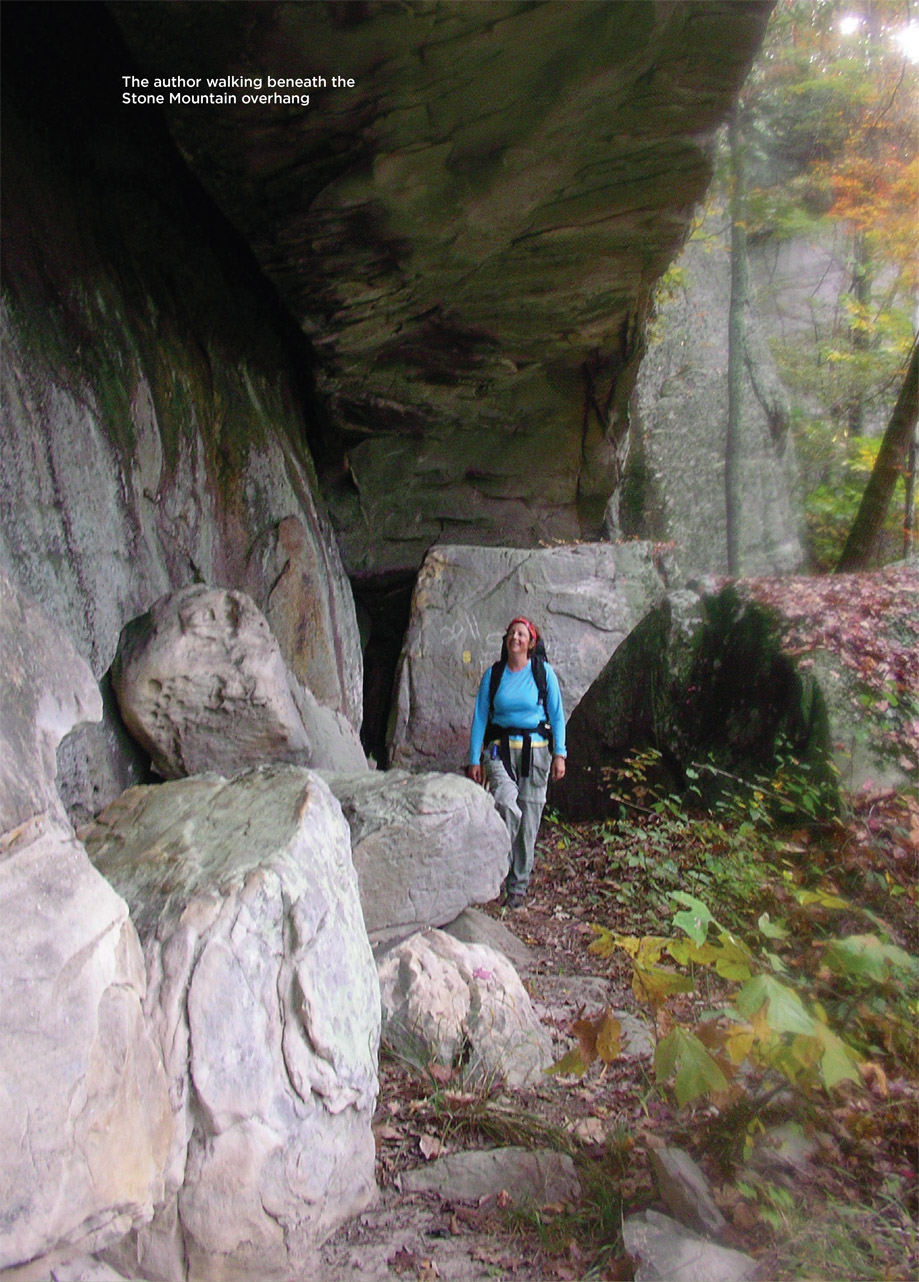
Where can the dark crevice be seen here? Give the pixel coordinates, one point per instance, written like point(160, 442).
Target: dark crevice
point(383, 606)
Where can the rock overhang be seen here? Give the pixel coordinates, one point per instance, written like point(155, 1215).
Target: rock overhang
point(470, 235)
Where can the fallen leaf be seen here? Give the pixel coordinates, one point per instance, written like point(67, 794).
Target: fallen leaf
point(590, 1130)
point(403, 1261)
point(430, 1146)
point(386, 1132)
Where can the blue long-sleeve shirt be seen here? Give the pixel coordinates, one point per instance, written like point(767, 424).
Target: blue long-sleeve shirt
point(517, 705)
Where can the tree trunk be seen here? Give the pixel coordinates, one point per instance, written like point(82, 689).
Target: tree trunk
point(888, 466)
point(909, 507)
point(858, 330)
point(740, 290)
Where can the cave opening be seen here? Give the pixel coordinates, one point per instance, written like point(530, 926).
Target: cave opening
point(383, 603)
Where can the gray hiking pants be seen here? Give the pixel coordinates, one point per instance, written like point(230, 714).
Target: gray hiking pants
point(520, 804)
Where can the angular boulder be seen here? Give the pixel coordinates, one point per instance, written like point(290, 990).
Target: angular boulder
point(263, 995)
point(668, 1252)
point(462, 1005)
point(202, 685)
point(85, 1123)
point(585, 599)
point(535, 1177)
point(334, 743)
point(425, 847)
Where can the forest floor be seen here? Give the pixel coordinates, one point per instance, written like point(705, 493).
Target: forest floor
point(846, 1210)
point(843, 1205)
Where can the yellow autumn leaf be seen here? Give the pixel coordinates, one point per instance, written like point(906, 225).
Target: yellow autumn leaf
point(609, 1038)
point(739, 1042)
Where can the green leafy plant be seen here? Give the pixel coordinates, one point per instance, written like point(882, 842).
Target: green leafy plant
point(809, 1022)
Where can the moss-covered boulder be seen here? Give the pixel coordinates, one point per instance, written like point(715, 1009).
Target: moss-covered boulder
point(704, 684)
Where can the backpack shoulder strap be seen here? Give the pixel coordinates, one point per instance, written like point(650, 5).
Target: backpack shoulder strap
point(538, 665)
point(497, 672)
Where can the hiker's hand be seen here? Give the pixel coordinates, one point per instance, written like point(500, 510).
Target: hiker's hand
point(476, 774)
point(558, 769)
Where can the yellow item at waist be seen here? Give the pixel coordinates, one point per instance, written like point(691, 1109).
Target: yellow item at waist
point(536, 741)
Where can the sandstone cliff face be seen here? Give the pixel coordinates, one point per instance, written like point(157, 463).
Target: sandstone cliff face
point(471, 233)
point(675, 474)
point(155, 407)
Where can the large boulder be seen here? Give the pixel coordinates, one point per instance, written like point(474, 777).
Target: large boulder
point(585, 599)
point(85, 1124)
point(463, 1006)
point(263, 996)
point(424, 846)
point(704, 683)
point(202, 686)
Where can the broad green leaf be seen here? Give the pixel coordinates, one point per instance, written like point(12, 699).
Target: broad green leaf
point(838, 1063)
point(739, 1042)
point(807, 897)
point(570, 1065)
point(684, 952)
point(866, 957)
point(650, 949)
point(655, 984)
point(681, 1053)
point(785, 1013)
point(771, 929)
point(695, 919)
point(733, 960)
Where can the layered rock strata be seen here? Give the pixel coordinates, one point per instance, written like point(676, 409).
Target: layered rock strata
point(469, 225)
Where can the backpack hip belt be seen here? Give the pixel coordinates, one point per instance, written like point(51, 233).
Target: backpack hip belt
point(502, 735)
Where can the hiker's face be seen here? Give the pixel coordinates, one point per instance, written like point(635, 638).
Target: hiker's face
point(519, 640)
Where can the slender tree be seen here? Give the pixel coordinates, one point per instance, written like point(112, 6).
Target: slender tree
point(737, 320)
point(888, 467)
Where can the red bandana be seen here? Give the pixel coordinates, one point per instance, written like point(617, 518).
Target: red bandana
point(530, 627)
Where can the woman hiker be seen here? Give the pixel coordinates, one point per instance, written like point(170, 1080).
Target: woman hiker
point(519, 722)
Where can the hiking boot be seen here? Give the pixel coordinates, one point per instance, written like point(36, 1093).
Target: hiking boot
point(515, 899)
